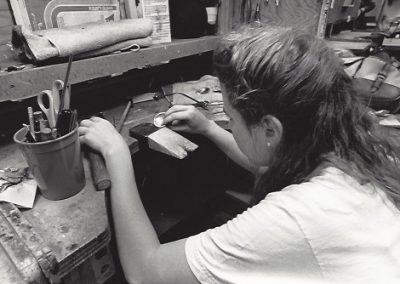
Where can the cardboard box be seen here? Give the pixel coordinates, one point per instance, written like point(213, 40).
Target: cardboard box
point(46, 14)
point(158, 12)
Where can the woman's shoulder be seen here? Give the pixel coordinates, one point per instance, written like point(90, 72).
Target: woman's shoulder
point(330, 180)
point(330, 189)
point(333, 194)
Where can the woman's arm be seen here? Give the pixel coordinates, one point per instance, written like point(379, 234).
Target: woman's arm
point(143, 258)
point(224, 140)
point(189, 119)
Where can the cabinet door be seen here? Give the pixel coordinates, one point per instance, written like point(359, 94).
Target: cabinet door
point(343, 11)
point(303, 14)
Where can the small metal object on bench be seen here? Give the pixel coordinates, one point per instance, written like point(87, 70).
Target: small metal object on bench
point(158, 120)
point(204, 90)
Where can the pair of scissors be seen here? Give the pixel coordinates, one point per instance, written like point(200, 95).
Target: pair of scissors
point(53, 98)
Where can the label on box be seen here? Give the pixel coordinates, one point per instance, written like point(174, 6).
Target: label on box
point(46, 14)
point(158, 12)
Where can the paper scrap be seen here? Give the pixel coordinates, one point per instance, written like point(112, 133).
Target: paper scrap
point(21, 194)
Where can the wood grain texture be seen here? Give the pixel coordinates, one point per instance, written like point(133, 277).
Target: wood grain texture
point(301, 14)
point(225, 12)
point(167, 141)
point(6, 22)
point(29, 82)
point(390, 44)
point(74, 228)
point(5, 35)
point(236, 13)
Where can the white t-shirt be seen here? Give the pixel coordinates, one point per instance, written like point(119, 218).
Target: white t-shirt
point(330, 228)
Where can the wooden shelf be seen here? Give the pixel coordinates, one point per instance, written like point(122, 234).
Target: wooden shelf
point(27, 83)
point(389, 44)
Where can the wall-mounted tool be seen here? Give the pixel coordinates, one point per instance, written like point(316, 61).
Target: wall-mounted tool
point(197, 103)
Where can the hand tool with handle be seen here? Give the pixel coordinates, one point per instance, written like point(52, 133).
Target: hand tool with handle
point(100, 176)
point(53, 98)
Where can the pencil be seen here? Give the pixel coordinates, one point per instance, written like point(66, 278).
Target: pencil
point(31, 122)
point(66, 81)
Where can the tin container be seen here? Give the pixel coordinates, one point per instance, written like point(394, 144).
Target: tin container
point(55, 164)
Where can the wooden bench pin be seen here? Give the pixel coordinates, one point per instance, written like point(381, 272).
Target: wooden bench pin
point(162, 139)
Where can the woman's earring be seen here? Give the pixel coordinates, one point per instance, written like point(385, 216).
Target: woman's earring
point(268, 144)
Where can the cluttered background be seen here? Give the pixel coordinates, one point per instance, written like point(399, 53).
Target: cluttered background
point(129, 61)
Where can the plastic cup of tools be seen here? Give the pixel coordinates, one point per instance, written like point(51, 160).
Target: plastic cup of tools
point(56, 164)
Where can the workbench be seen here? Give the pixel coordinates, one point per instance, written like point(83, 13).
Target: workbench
point(77, 228)
point(176, 190)
point(77, 232)
point(73, 229)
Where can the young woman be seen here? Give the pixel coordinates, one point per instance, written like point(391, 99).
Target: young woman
point(297, 123)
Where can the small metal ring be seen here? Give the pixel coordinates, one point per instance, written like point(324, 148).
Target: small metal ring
point(158, 120)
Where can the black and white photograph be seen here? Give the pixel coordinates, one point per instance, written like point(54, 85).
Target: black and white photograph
point(199, 141)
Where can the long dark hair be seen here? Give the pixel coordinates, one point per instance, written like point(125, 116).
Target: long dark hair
point(297, 78)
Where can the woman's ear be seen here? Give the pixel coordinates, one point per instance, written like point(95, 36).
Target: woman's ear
point(273, 129)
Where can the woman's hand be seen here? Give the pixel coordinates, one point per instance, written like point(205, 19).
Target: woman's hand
point(188, 119)
point(100, 135)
